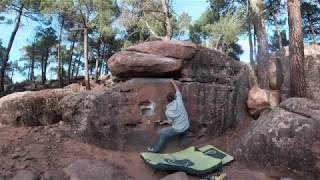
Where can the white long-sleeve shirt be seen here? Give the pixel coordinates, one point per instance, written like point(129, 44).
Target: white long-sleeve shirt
point(177, 115)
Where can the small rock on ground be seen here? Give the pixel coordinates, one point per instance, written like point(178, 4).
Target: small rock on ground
point(176, 176)
point(94, 170)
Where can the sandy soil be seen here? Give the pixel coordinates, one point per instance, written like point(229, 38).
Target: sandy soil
point(48, 149)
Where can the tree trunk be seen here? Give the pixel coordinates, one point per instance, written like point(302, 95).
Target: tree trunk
point(59, 55)
point(78, 66)
point(32, 65)
point(98, 60)
point(262, 55)
point(70, 57)
point(86, 63)
point(218, 42)
point(106, 71)
point(42, 70)
point(100, 67)
point(8, 49)
point(165, 8)
point(45, 65)
point(296, 50)
point(141, 38)
point(73, 67)
point(250, 45)
point(29, 72)
point(277, 30)
point(12, 73)
point(254, 42)
point(97, 70)
point(314, 36)
point(32, 71)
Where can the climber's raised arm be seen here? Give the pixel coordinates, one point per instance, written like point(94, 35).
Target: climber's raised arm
point(175, 86)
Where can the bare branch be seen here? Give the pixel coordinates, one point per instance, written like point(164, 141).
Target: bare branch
point(152, 32)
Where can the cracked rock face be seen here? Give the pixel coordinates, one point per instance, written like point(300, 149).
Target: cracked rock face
point(287, 138)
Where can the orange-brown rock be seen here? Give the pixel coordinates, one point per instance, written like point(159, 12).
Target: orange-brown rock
point(175, 49)
point(261, 99)
point(157, 59)
point(136, 64)
point(126, 116)
point(31, 108)
point(285, 140)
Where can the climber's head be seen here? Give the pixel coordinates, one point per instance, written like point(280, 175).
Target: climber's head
point(171, 96)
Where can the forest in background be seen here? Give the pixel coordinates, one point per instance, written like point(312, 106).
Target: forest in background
point(91, 31)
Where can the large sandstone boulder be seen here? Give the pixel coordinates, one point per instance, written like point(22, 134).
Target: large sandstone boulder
point(31, 108)
point(214, 89)
point(260, 100)
point(175, 49)
point(285, 140)
point(127, 63)
point(173, 59)
point(126, 116)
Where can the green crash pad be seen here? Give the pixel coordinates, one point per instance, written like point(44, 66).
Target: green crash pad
point(214, 152)
point(191, 160)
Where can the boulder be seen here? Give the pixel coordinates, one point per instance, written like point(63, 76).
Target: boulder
point(136, 64)
point(312, 72)
point(176, 176)
point(275, 76)
point(126, 115)
point(201, 64)
point(285, 140)
point(31, 108)
point(174, 49)
point(262, 99)
point(214, 89)
point(94, 170)
point(211, 66)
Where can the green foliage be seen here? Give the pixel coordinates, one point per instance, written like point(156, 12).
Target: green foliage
point(274, 42)
point(310, 21)
point(8, 80)
point(197, 32)
point(220, 26)
point(40, 49)
point(222, 7)
point(84, 13)
point(30, 7)
point(226, 30)
point(181, 26)
point(141, 19)
point(235, 50)
point(275, 12)
point(2, 50)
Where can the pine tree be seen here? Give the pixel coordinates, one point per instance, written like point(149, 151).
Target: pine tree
point(296, 48)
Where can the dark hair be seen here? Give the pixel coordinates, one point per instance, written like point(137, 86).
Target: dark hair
point(171, 96)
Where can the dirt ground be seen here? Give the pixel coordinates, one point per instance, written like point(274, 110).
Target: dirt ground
point(48, 149)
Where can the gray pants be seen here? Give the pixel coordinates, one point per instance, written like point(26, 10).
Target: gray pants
point(167, 134)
